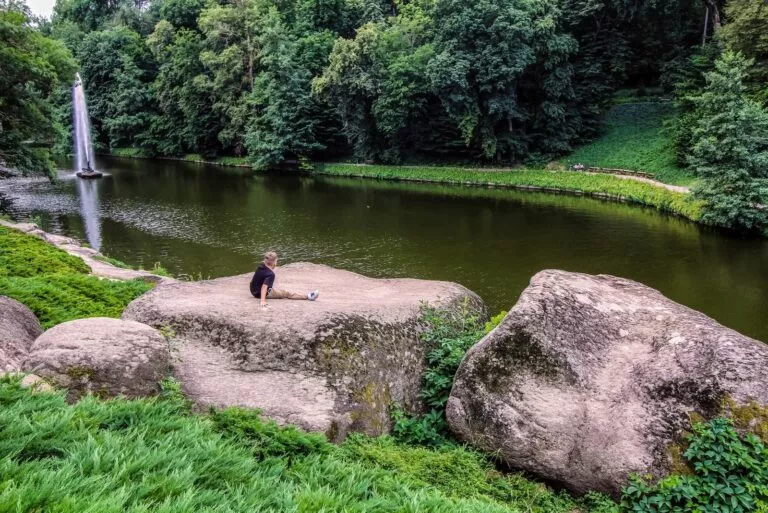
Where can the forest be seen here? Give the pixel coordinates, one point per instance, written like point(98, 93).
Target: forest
point(504, 82)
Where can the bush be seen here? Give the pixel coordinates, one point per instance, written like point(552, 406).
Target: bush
point(23, 255)
point(729, 474)
point(447, 338)
point(57, 298)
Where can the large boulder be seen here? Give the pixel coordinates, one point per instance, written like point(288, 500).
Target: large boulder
point(18, 329)
point(333, 365)
point(107, 357)
point(591, 378)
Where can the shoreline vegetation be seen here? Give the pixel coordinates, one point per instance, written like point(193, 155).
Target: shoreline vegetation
point(596, 185)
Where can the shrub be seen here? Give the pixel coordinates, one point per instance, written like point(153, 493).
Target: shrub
point(730, 474)
point(23, 255)
point(447, 338)
point(151, 455)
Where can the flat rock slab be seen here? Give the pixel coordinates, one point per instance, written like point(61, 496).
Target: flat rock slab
point(18, 330)
point(108, 357)
point(591, 378)
point(333, 365)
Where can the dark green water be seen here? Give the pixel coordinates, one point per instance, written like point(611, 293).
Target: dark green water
point(211, 222)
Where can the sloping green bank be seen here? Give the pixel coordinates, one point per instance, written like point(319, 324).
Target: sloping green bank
point(599, 186)
point(55, 285)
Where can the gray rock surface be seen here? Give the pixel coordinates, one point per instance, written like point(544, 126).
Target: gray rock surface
point(107, 357)
point(591, 378)
point(18, 329)
point(333, 365)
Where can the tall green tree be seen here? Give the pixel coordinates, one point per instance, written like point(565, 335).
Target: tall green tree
point(116, 68)
point(282, 126)
point(34, 67)
point(502, 71)
point(184, 120)
point(730, 149)
point(746, 31)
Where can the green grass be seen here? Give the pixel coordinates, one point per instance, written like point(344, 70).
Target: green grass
point(112, 261)
point(128, 152)
point(634, 139)
point(152, 456)
point(22, 255)
point(591, 184)
point(55, 285)
point(57, 298)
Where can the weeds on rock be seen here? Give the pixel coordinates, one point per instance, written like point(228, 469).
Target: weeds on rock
point(730, 475)
point(448, 337)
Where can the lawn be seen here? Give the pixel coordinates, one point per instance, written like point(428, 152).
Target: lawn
point(55, 285)
point(635, 139)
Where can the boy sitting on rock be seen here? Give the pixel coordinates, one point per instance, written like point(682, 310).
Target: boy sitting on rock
point(263, 282)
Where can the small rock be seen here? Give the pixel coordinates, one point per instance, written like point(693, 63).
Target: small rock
point(107, 357)
point(18, 330)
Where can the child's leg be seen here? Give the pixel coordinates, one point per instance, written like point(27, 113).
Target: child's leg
point(283, 294)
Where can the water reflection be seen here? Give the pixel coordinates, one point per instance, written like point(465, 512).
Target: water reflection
point(90, 211)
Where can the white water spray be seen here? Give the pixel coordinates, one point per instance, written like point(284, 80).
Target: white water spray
point(82, 124)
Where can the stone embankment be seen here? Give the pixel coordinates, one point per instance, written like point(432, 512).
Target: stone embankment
point(591, 378)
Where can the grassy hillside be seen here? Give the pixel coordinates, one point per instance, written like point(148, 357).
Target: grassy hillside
point(634, 139)
point(55, 285)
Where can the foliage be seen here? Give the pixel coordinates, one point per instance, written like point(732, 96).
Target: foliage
point(26, 256)
point(602, 186)
point(465, 474)
point(730, 150)
point(635, 139)
point(55, 285)
point(57, 298)
point(495, 321)
point(33, 67)
point(283, 126)
point(267, 438)
point(730, 474)
point(112, 261)
point(447, 338)
point(152, 455)
point(746, 32)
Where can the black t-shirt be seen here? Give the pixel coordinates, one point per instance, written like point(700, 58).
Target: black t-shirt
point(262, 276)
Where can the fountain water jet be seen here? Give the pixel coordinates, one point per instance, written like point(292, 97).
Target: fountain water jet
point(82, 124)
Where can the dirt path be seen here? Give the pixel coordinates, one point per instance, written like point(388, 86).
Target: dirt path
point(673, 188)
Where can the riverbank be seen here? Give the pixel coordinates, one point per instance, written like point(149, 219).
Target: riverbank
point(60, 280)
point(640, 190)
point(600, 186)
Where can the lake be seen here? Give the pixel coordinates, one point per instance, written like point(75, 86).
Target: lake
point(206, 221)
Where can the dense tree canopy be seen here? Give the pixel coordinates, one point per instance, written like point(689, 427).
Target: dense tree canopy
point(498, 81)
point(494, 81)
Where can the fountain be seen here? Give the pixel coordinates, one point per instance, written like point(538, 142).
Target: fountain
point(83, 146)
